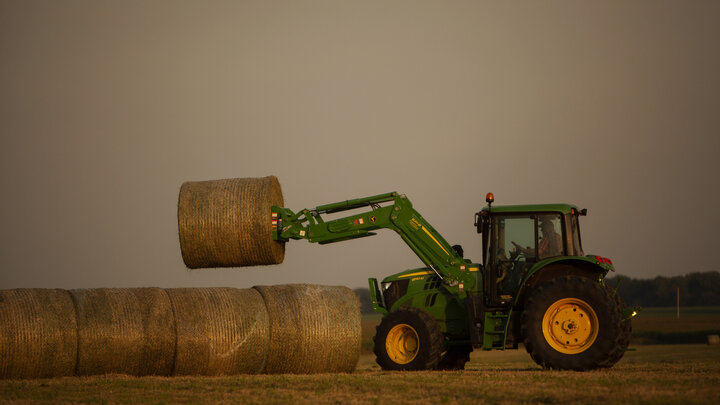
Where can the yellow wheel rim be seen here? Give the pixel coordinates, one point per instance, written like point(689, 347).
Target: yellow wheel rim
point(570, 326)
point(402, 344)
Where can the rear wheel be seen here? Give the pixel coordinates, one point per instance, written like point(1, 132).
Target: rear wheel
point(573, 323)
point(408, 339)
point(625, 331)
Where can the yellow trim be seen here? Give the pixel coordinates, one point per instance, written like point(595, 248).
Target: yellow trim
point(473, 269)
point(415, 274)
point(436, 241)
point(570, 326)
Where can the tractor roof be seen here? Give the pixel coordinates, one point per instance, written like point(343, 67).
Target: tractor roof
point(513, 209)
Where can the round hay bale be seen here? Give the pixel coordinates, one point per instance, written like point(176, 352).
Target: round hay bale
point(38, 333)
point(227, 223)
point(158, 346)
point(124, 331)
point(220, 331)
point(313, 328)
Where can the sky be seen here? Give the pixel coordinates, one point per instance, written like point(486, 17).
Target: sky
point(107, 107)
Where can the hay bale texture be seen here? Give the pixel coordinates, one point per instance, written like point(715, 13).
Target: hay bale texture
point(184, 331)
point(125, 331)
point(313, 328)
point(38, 334)
point(227, 223)
point(220, 331)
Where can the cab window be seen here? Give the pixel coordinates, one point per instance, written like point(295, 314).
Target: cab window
point(549, 236)
point(514, 250)
point(512, 232)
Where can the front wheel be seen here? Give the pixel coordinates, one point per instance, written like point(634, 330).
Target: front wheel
point(408, 339)
point(572, 323)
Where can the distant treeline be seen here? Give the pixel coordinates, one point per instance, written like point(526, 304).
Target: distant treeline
point(696, 289)
point(363, 295)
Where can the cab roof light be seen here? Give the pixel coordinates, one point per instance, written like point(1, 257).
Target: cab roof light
point(489, 199)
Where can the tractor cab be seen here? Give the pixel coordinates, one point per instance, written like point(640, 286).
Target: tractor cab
point(517, 239)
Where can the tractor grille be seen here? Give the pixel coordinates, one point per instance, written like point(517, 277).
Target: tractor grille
point(396, 290)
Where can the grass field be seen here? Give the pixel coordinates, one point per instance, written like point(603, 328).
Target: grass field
point(681, 373)
point(684, 374)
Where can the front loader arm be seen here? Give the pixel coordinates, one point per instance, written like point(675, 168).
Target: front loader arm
point(400, 216)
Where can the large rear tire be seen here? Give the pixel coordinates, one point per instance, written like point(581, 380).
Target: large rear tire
point(573, 323)
point(408, 339)
point(625, 331)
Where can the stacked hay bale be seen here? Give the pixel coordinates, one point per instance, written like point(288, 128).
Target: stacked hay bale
point(38, 333)
point(124, 331)
point(220, 331)
point(313, 329)
point(227, 223)
point(185, 331)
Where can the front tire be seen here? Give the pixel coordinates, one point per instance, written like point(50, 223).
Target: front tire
point(408, 339)
point(573, 323)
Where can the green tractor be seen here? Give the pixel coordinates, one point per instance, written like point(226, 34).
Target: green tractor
point(535, 285)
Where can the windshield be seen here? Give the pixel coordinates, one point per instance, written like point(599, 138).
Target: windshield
point(534, 236)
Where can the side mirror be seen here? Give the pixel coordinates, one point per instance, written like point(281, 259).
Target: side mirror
point(478, 222)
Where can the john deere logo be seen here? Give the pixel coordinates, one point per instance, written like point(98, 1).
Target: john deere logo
point(372, 218)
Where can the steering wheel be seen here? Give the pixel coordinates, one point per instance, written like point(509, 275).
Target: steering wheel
point(517, 252)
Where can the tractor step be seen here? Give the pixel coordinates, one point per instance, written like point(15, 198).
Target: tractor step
point(495, 331)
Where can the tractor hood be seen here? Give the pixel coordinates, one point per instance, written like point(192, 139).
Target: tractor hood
point(409, 274)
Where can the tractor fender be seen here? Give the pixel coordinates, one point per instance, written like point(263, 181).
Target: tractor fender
point(585, 266)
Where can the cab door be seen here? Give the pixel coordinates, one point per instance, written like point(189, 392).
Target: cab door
point(517, 243)
point(512, 252)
